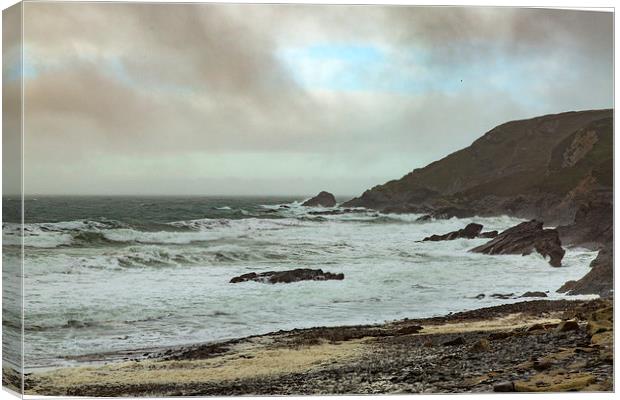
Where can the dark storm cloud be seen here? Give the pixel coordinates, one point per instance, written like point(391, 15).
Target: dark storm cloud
point(134, 83)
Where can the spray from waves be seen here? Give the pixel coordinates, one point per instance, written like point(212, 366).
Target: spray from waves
point(103, 232)
point(158, 256)
point(81, 233)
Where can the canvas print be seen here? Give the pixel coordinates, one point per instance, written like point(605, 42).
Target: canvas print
point(297, 199)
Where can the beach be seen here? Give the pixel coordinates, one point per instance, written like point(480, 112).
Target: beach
point(528, 346)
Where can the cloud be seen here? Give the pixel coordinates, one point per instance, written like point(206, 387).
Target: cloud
point(349, 95)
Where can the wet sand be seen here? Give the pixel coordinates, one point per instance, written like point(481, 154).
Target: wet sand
point(528, 346)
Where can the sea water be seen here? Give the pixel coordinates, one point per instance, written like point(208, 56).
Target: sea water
point(110, 274)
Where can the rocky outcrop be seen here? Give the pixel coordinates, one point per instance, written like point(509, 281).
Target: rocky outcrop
point(295, 275)
point(524, 239)
point(488, 235)
point(593, 224)
point(323, 199)
point(540, 168)
point(534, 294)
point(471, 231)
point(340, 211)
point(502, 296)
point(599, 280)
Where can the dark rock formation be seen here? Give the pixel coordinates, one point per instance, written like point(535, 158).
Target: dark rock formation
point(567, 286)
point(408, 330)
point(488, 235)
point(504, 387)
point(323, 199)
point(524, 239)
point(339, 211)
point(565, 326)
point(534, 294)
point(593, 225)
point(471, 231)
point(598, 281)
point(295, 275)
point(502, 296)
point(540, 168)
point(452, 212)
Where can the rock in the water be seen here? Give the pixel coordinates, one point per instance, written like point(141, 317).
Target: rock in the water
point(488, 235)
point(424, 218)
point(323, 199)
point(480, 296)
point(524, 239)
point(534, 294)
point(295, 275)
point(598, 281)
point(471, 231)
point(567, 286)
point(503, 296)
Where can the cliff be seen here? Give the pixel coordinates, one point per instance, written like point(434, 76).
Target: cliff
point(553, 168)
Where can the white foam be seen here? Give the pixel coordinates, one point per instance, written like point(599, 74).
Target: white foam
point(174, 286)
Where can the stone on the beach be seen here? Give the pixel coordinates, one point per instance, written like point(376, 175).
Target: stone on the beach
point(549, 382)
point(480, 346)
point(542, 364)
point(536, 327)
point(295, 275)
point(534, 294)
point(603, 338)
point(323, 199)
point(504, 387)
point(455, 342)
point(565, 326)
point(524, 239)
point(408, 330)
point(594, 327)
point(600, 321)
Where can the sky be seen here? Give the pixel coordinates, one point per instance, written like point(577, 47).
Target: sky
point(183, 99)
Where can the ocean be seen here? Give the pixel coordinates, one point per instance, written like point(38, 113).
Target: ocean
point(111, 274)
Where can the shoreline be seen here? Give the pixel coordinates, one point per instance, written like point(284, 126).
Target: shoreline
point(470, 351)
point(153, 352)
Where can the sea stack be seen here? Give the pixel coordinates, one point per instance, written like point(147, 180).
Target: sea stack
point(323, 199)
point(523, 239)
